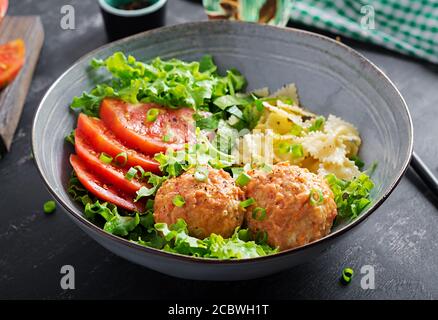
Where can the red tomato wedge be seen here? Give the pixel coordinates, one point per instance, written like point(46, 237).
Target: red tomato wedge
point(103, 140)
point(103, 191)
point(108, 172)
point(171, 128)
point(12, 55)
point(3, 8)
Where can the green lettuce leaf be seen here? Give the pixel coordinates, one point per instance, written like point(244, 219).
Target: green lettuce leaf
point(173, 83)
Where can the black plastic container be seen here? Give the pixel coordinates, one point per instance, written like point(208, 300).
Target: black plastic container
point(120, 23)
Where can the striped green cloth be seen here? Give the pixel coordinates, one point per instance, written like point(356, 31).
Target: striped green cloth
point(407, 26)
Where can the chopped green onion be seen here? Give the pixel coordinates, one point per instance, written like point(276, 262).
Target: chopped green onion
point(297, 150)
point(140, 172)
point(284, 147)
point(247, 202)
point(152, 114)
point(105, 158)
point(49, 206)
point(131, 173)
point(167, 137)
point(259, 105)
point(357, 161)
point(259, 214)
point(178, 201)
point(121, 159)
point(201, 174)
point(233, 120)
point(236, 171)
point(243, 179)
point(347, 275)
point(235, 111)
point(316, 197)
point(317, 125)
point(296, 130)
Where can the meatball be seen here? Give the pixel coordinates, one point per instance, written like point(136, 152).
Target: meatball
point(210, 207)
point(286, 211)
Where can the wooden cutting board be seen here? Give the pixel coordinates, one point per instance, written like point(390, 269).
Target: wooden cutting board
point(12, 98)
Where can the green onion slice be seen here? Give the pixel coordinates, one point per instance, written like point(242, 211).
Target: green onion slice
point(131, 173)
point(297, 150)
point(167, 137)
point(140, 172)
point(317, 125)
point(347, 275)
point(247, 202)
point(296, 130)
point(105, 158)
point(243, 179)
point(259, 214)
point(152, 114)
point(121, 158)
point(284, 147)
point(316, 197)
point(178, 201)
point(236, 171)
point(49, 206)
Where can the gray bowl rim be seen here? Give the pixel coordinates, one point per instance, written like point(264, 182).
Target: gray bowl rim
point(80, 217)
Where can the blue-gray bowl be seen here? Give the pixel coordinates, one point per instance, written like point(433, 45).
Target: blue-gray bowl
point(331, 77)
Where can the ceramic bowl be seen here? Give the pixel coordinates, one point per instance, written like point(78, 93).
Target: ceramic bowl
point(331, 78)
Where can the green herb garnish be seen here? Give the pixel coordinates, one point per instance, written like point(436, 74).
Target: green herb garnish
point(49, 206)
point(178, 201)
point(246, 203)
point(152, 114)
point(130, 174)
point(105, 158)
point(351, 197)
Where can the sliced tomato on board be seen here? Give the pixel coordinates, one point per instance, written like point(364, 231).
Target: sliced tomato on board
point(103, 140)
point(171, 129)
point(3, 8)
point(12, 55)
point(108, 172)
point(101, 190)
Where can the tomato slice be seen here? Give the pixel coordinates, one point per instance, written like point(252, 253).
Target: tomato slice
point(103, 140)
point(3, 8)
point(108, 172)
point(101, 190)
point(12, 55)
point(171, 129)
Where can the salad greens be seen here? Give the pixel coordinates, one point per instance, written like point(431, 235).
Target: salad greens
point(352, 196)
point(173, 83)
point(141, 229)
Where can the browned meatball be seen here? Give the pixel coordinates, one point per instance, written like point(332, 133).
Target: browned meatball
point(291, 219)
point(210, 207)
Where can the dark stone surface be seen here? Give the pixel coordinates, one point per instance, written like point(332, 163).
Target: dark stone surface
point(400, 239)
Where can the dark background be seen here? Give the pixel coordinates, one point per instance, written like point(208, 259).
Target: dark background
point(399, 240)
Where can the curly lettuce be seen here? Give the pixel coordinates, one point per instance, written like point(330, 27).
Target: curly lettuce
point(172, 83)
